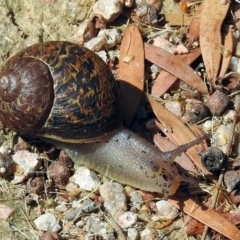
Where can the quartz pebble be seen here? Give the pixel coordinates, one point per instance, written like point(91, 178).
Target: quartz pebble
point(136, 199)
point(61, 208)
point(112, 36)
point(96, 44)
point(127, 219)
point(149, 234)
point(222, 137)
point(5, 212)
point(232, 179)
point(208, 125)
point(47, 222)
point(96, 226)
point(229, 116)
point(181, 49)
point(114, 198)
point(234, 64)
point(110, 10)
point(103, 55)
point(166, 210)
point(155, 69)
point(163, 42)
point(174, 107)
point(132, 234)
point(85, 178)
point(27, 163)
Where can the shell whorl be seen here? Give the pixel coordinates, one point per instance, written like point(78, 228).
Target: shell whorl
point(26, 94)
point(83, 100)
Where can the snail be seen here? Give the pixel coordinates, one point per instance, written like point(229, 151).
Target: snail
point(66, 95)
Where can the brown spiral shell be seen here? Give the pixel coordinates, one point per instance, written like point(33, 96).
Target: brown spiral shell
point(59, 90)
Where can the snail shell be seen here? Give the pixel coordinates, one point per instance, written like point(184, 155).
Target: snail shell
point(61, 91)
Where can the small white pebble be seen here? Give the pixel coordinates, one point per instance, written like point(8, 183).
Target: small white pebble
point(162, 42)
point(174, 107)
point(110, 10)
point(234, 64)
point(114, 198)
point(136, 199)
point(166, 210)
point(5, 212)
point(222, 137)
point(155, 69)
point(47, 222)
point(229, 116)
point(96, 226)
point(28, 162)
point(5, 149)
point(208, 125)
point(85, 178)
point(103, 55)
point(132, 234)
point(127, 219)
point(96, 44)
point(61, 208)
point(149, 234)
point(181, 49)
point(112, 36)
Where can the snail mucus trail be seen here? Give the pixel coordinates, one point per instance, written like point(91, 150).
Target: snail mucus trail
point(66, 94)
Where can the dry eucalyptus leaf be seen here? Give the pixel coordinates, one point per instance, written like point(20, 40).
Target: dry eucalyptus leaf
point(165, 79)
point(206, 215)
point(194, 27)
point(131, 72)
point(212, 17)
point(175, 66)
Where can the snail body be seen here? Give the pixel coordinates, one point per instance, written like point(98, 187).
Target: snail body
point(66, 94)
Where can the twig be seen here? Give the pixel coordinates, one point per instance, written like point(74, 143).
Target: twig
point(228, 152)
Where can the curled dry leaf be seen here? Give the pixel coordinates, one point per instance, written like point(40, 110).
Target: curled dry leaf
point(165, 79)
point(212, 17)
point(230, 82)
point(131, 73)
point(175, 66)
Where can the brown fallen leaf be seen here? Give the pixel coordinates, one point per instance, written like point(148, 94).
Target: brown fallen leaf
point(233, 217)
point(227, 51)
point(212, 17)
point(205, 215)
point(179, 132)
point(183, 160)
point(194, 26)
point(193, 226)
point(175, 66)
point(165, 79)
point(131, 72)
